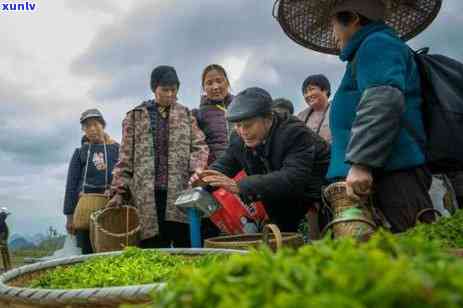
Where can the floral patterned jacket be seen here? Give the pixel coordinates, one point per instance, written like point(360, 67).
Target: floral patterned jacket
point(133, 176)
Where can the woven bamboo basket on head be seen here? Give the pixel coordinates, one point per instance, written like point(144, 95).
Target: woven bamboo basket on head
point(350, 218)
point(114, 228)
point(88, 203)
point(276, 240)
point(308, 22)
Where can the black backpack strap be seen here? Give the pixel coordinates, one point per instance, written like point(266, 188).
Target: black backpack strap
point(353, 66)
point(408, 127)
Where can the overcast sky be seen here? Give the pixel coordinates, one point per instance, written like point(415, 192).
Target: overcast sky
point(67, 56)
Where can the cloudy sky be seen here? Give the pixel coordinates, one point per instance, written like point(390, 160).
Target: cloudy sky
point(69, 55)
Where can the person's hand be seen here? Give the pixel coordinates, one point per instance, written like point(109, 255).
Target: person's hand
point(359, 183)
point(70, 224)
point(195, 178)
point(217, 179)
point(115, 201)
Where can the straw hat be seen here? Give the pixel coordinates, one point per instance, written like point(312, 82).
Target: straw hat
point(308, 22)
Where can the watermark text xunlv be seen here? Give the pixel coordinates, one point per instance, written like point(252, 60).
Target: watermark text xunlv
point(17, 6)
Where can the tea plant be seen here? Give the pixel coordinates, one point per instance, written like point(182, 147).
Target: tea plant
point(386, 272)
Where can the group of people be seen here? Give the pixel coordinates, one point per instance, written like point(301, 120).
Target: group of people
point(355, 136)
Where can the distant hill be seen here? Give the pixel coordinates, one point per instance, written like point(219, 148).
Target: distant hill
point(20, 243)
point(15, 236)
point(28, 251)
point(35, 239)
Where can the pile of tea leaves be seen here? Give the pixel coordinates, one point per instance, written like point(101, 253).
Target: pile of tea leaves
point(386, 272)
point(448, 231)
point(133, 267)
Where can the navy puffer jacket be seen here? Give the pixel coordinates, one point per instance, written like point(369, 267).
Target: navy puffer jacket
point(98, 175)
point(211, 120)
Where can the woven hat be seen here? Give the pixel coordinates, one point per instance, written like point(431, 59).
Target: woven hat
point(308, 22)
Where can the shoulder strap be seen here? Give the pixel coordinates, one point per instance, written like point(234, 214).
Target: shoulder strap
point(408, 127)
point(82, 157)
point(353, 67)
point(308, 115)
point(86, 169)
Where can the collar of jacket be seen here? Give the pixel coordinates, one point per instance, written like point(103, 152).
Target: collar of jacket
point(151, 105)
point(309, 108)
point(107, 139)
point(348, 52)
point(209, 102)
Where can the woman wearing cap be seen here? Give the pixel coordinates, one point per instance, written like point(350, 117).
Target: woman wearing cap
point(90, 171)
point(379, 97)
point(161, 147)
point(316, 90)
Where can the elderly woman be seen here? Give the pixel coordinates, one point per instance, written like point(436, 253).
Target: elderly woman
point(161, 147)
point(316, 90)
point(90, 170)
point(378, 103)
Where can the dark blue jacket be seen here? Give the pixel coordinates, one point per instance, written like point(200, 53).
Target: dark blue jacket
point(96, 178)
point(380, 90)
point(211, 120)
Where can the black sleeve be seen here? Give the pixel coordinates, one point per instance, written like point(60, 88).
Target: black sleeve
point(71, 195)
point(292, 179)
point(376, 126)
point(227, 163)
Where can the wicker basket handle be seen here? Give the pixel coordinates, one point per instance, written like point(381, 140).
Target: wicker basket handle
point(437, 214)
point(276, 232)
point(336, 221)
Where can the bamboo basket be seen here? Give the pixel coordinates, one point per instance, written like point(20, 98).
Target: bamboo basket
point(14, 292)
point(114, 228)
point(349, 218)
point(88, 204)
point(92, 230)
point(276, 240)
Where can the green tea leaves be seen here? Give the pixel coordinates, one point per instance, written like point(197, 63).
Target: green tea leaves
point(134, 267)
